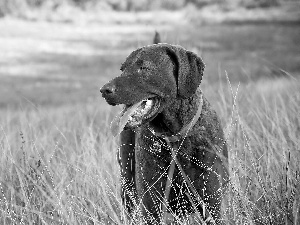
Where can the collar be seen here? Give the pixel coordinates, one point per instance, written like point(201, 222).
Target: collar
point(183, 133)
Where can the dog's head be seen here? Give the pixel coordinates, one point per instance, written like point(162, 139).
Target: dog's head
point(152, 77)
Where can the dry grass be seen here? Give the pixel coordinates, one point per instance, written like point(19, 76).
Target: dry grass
point(60, 166)
point(58, 160)
point(264, 153)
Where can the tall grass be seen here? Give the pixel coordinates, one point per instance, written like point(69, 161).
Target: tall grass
point(58, 166)
point(263, 137)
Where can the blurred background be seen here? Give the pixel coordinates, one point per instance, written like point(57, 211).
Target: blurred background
point(58, 52)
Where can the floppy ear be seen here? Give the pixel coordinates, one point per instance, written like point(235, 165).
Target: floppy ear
point(190, 69)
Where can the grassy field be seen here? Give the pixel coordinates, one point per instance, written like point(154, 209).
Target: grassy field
point(58, 163)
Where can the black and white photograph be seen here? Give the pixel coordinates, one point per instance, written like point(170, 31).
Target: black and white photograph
point(145, 112)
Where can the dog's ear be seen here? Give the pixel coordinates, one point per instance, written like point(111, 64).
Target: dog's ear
point(189, 72)
point(156, 38)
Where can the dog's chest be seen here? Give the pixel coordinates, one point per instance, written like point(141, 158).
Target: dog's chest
point(149, 147)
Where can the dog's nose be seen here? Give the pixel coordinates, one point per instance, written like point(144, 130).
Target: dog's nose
point(108, 89)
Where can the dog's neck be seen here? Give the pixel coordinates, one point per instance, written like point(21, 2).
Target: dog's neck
point(181, 117)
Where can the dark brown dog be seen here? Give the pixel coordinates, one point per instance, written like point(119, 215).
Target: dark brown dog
point(159, 87)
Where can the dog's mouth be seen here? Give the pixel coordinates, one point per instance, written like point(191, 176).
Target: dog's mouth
point(136, 114)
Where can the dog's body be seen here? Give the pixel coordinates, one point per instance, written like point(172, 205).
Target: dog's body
point(168, 76)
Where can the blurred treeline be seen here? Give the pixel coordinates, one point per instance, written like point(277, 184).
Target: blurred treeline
point(10, 6)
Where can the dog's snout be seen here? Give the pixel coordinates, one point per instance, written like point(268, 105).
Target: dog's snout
point(108, 89)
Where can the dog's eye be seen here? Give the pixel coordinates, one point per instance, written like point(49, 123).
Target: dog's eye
point(143, 68)
point(122, 67)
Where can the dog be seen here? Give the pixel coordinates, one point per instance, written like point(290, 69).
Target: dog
point(166, 118)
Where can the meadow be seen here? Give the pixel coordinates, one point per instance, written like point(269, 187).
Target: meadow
point(58, 158)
